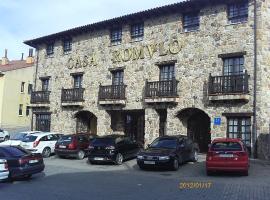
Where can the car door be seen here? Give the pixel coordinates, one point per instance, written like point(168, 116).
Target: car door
point(121, 147)
point(43, 142)
point(132, 147)
point(52, 139)
point(83, 142)
point(182, 149)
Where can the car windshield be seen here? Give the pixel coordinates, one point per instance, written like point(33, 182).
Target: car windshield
point(103, 141)
point(166, 143)
point(226, 146)
point(18, 136)
point(29, 138)
point(65, 138)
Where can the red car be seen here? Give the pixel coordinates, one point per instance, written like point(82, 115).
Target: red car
point(227, 155)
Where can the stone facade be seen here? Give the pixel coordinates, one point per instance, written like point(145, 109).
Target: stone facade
point(196, 55)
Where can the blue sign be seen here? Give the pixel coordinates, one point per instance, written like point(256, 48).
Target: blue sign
point(217, 121)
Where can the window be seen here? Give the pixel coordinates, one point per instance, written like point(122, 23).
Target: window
point(137, 31)
point(67, 45)
point(191, 22)
point(30, 88)
point(238, 12)
point(233, 66)
point(43, 122)
point(27, 110)
point(239, 127)
point(116, 36)
point(167, 72)
point(50, 48)
point(20, 109)
point(78, 80)
point(22, 86)
point(45, 84)
point(118, 77)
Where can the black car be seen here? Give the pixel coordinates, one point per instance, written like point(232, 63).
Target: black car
point(21, 163)
point(168, 151)
point(112, 148)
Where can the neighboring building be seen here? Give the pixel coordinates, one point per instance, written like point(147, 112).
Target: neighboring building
point(192, 68)
point(16, 80)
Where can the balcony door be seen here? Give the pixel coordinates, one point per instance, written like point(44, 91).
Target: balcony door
point(233, 72)
point(117, 83)
point(166, 78)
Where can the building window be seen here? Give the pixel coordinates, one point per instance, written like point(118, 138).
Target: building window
point(191, 22)
point(45, 84)
point(22, 86)
point(20, 110)
point(238, 12)
point(30, 88)
point(240, 127)
point(43, 122)
point(67, 45)
point(50, 48)
point(116, 36)
point(77, 78)
point(137, 31)
point(118, 77)
point(27, 110)
point(167, 72)
point(233, 66)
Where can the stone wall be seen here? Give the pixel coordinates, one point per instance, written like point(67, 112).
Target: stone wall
point(263, 146)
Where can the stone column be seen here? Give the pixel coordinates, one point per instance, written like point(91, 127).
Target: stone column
point(174, 125)
point(103, 123)
point(151, 125)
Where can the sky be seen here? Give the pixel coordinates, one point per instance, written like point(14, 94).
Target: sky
point(22, 20)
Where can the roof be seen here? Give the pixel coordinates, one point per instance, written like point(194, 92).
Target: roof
point(184, 5)
point(14, 65)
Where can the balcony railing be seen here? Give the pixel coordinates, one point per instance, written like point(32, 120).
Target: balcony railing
point(40, 97)
point(161, 89)
point(72, 95)
point(112, 92)
point(232, 84)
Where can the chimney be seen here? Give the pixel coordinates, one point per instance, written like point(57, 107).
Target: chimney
point(22, 57)
point(30, 58)
point(5, 58)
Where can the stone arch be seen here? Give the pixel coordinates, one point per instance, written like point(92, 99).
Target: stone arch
point(86, 122)
point(198, 125)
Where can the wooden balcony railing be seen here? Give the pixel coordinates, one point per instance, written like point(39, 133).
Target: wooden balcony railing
point(40, 97)
point(232, 84)
point(161, 89)
point(112, 92)
point(72, 95)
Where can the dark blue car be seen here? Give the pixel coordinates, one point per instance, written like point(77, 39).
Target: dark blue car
point(21, 163)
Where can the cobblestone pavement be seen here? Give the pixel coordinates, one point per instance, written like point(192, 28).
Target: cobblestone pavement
point(69, 179)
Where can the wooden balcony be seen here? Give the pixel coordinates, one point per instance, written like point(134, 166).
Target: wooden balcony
point(112, 95)
point(40, 99)
point(161, 91)
point(72, 97)
point(227, 88)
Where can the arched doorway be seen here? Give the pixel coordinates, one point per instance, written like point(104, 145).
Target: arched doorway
point(86, 122)
point(197, 124)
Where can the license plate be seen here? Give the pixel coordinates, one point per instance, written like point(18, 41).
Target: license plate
point(149, 162)
point(33, 161)
point(62, 146)
point(226, 155)
point(97, 158)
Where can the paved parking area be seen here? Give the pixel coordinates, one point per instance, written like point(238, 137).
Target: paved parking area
point(77, 180)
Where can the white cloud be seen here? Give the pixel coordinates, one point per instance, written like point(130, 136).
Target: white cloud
point(28, 19)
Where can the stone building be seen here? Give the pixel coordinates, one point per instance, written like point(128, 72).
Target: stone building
point(197, 67)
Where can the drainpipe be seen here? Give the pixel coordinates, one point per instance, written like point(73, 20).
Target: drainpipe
point(35, 85)
point(254, 127)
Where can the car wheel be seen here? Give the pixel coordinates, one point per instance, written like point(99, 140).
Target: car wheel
point(195, 156)
point(209, 173)
point(46, 152)
point(80, 155)
point(6, 138)
point(119, 159)
point(245, 173)
point(28, 176)
point(142, 167)
point(175, 164)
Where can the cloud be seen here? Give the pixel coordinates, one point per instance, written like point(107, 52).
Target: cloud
point(28, 19)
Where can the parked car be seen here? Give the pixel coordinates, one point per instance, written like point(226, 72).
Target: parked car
point(227, 155)
point(43, 143)
point(169, 152)
point(21, 163)
point(4, 173)
point(112, 148)
point(16, 139)
point(74, 145)
point(4, 135)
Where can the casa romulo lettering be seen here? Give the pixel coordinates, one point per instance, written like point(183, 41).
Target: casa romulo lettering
point(149, 50)
point(78, 62)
